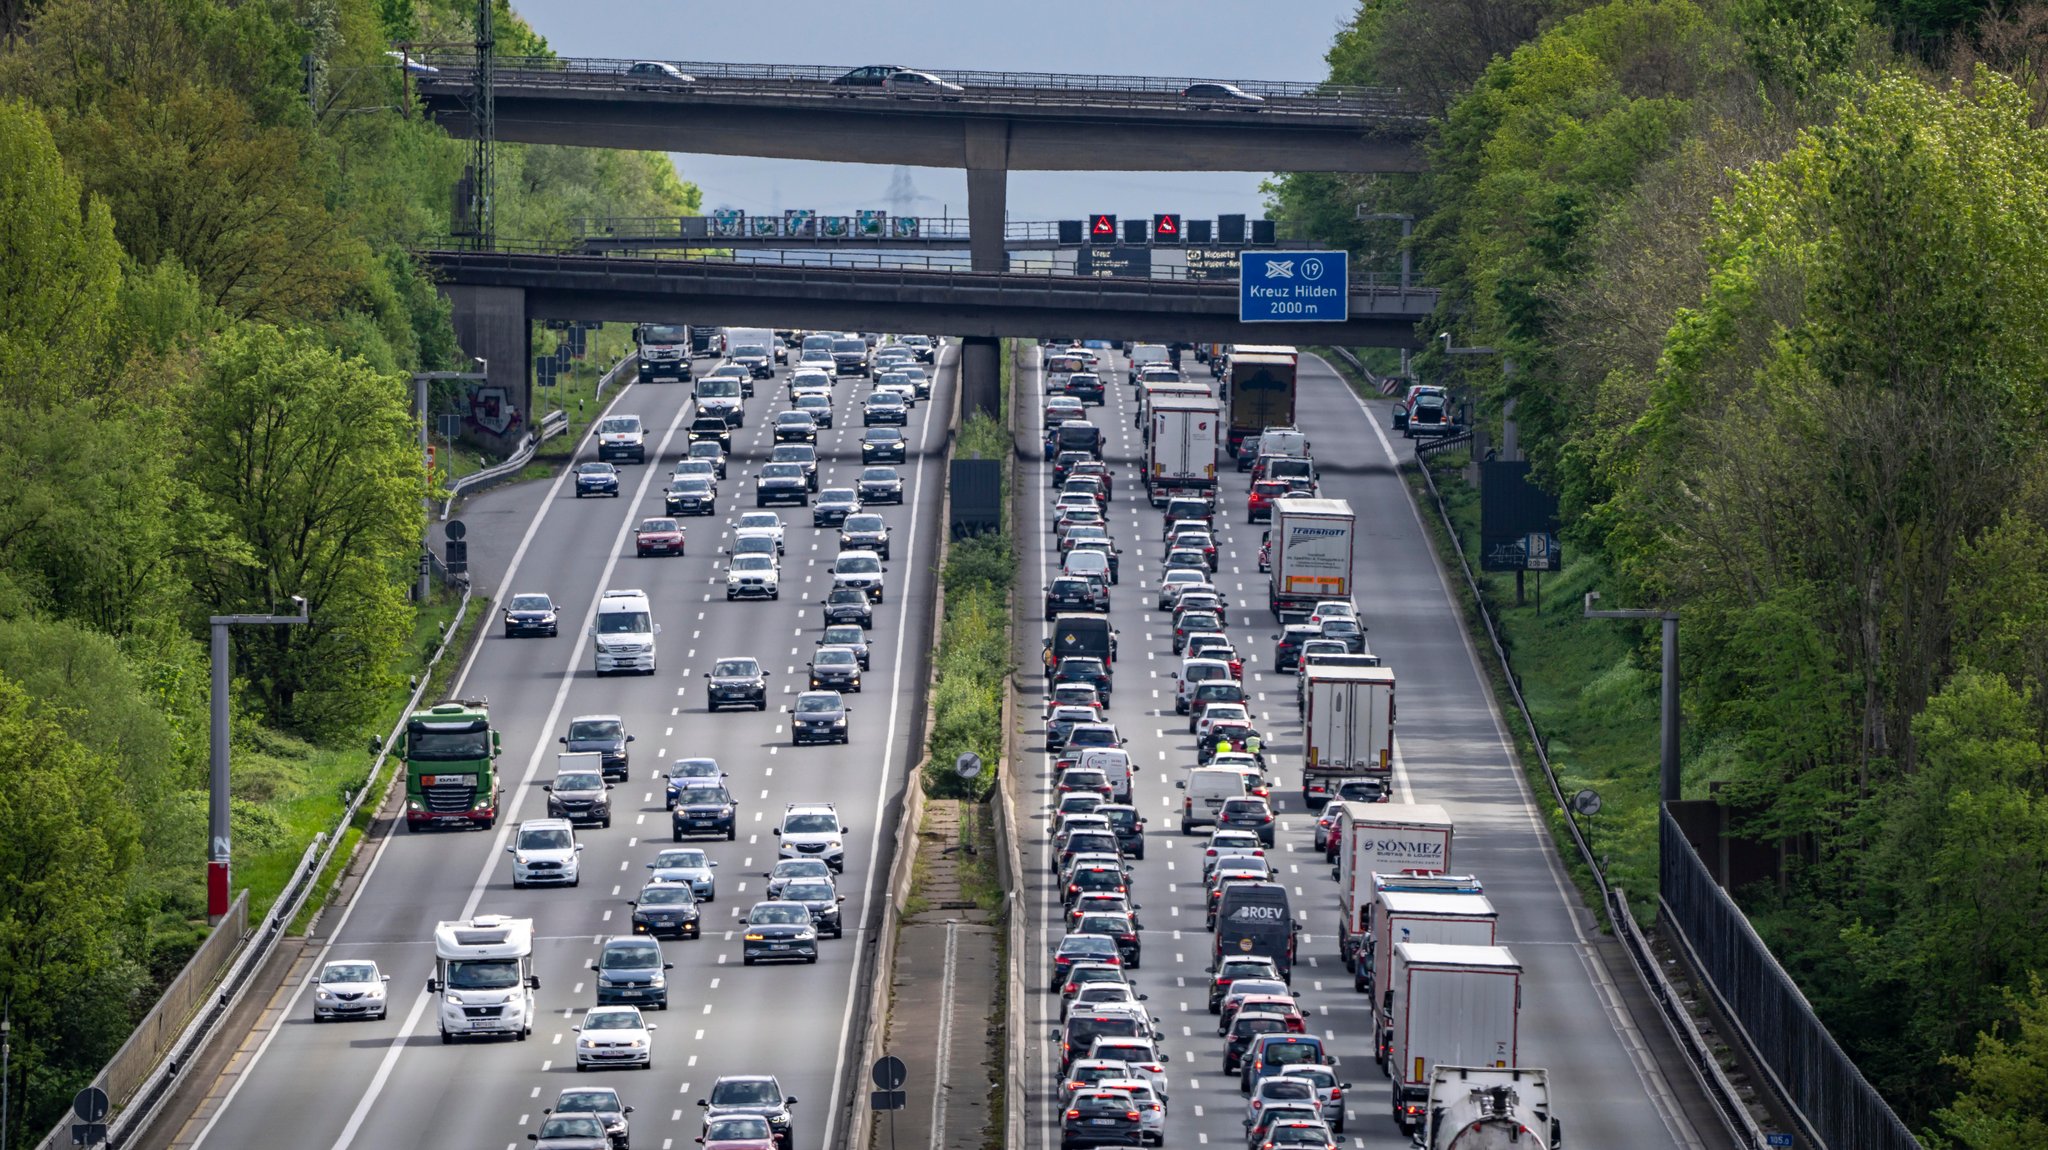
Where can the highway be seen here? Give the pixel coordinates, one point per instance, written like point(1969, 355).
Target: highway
point(1451, 751)
point(375, 1085)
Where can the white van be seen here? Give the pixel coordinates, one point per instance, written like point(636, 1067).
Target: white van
point(1115, 765)
point(621, 437)
point(1205, 789)
point(623, 637)
point(1079, 563)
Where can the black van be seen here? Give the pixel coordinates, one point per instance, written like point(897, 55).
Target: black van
point(1074, 435)
point(1086, 635)
point(1254, 918)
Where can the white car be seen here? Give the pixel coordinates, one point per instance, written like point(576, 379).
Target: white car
point(1220, 711)
point(898, 385)
point(808, 380)
point(768, 521)
point(1193, 673)
point(1177, 580)
point(1143, 1058)
point(815, 359)
point(614, 1036)
point(862, 570)
point(752, 577)
point(813, 831)
point(686, 865)
point(349, 988)
point(1150, 1107)
point(1333, 609)
point(1279, 1089)
point(1096, 994)
point(621, 437)
point(544, 851)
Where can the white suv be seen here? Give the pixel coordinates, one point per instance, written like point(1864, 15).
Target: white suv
point(812, 831)
point(621, 437)
point(752, 575)
point(544, 851)
point(1193, 673)
point(862, 570)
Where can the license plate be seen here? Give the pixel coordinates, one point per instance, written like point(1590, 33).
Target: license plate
point(629, 994)
point(778, 946)
point(1102, 1121)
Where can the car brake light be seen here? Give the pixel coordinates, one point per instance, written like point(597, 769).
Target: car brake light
point(1336, 1095)
point(1131, 1115)
point(1073, 1113)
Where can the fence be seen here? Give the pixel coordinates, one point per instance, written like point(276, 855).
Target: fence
point(1677, 1018)
point(1841, 1110)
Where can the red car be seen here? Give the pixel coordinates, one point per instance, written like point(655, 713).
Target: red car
point(1258, 506)
point(658, 537)
point(738, 1132)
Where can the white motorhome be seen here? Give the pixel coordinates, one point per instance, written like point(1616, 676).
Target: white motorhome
point(483, 977)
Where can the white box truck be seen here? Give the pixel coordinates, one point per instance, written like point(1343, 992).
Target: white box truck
point(483, 977)
point(1180, 452)
point(1445, 1005)
point(1483, 1108)
point(1311, 556)
point(1460, 918)
point(1347, 729)
point(1384, 839)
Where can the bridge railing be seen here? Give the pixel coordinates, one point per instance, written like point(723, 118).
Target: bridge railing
point(1278, 95)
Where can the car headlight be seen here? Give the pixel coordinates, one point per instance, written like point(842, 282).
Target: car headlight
point(755, 937)
point(806, 935)
point(604, 981)
point(520, 860)
point(324, 994)
point(638, 1044)
point(833, 845)
point(454, 999)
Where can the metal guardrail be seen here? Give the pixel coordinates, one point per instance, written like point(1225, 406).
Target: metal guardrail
point(552, 424)
point(1283, 98)
point(135, 1113)
point(1819, 1082)
point(1385, 385)
point(696, 230)
point(1713, 1080)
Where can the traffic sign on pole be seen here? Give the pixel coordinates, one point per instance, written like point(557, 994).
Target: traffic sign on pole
point(90, 1104)
point(1294, 287)
point(887, 1100)
point(888, 1073)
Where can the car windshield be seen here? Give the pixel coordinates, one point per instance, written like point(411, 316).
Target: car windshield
point(817, 704)
point(769, 913)
point(688, 485)
point(804, 401)
point(612, 1020)
point(694, 768)
point(885, 399)
point(696, 468)
point(622, 623)
point(737, 1128)
point(725, 388)
point(587, 1102)
point(659, 525)
point(632, 956)
point(753, 563)
point(830, 657)
point(838, 495)
point(447, 746)
point(1282, 1053)
point(350, 972)
point(864, 522)
point(878, 475)
point(568, 1126)
point(596, 729)
point(594, 469)
point(531, 603)
point(579, 781)
point(705, 449)
point(619, 424)
point(849, 345)
point(794, 417)
point(809, 892)
point(483, 973)
point(544, 839)
point(782, 471)
point(735, 669)
point(857, 565)
point(749, 1093)
point(668, 894)
point(848, 633)
point(679, 860)
point(800, 868)
point(848, 595)
point(882, 435)
point(758, 519)
point(703, 791)
point(814, 824)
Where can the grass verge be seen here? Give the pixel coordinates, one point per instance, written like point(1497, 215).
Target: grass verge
point(576, 393)
point(973, 658)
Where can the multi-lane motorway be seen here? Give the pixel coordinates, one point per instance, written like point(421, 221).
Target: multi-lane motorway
point(1452, 751)
point(392, 1083)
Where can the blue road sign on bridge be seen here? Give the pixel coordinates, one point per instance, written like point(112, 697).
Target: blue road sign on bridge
point(1294, 287)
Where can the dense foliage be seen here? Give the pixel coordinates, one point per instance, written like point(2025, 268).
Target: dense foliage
point(207, 314)
point(1769, 275)
point(973, 660)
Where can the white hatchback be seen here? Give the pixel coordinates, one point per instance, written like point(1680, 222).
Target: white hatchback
point(614, 1036)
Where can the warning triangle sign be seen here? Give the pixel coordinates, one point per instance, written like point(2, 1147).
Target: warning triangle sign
point(1102, 226)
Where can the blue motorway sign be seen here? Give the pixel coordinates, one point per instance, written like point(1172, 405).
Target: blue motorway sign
point(1294, 287)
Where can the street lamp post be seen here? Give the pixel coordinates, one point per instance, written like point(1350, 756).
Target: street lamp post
point(6, 1070)
point(1668, 777)
point(420, 379)
point(217, 798)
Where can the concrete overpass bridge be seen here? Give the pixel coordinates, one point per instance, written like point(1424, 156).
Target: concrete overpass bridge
point(497, 294)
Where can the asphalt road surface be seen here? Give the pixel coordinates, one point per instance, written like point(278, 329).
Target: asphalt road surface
point(1451, 751)
point(373, 1085)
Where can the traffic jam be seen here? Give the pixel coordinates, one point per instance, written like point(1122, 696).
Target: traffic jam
point(1186, 498)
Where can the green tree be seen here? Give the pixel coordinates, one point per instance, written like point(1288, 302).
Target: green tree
point(62, 269)
point(2004, 1080)
point(310, 462)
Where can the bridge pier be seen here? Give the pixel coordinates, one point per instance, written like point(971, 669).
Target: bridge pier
point(981, 378)
point(492, 324)
point(987, 153)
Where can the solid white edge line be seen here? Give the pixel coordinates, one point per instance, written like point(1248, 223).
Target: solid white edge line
point(348, 909)
point(888, 745)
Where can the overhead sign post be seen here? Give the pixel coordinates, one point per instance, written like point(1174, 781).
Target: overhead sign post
point(1294, 287)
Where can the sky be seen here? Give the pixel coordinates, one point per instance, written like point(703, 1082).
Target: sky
point(1217, 39)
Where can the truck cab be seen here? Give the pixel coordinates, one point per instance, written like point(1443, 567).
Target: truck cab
point(450, 780)
point(665, 350)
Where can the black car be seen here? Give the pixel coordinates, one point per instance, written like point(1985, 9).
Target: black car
point(1233, 968)
point(794, 870)
point(847, 635)
point(596, 479)
point(1063, 465)
point(752, 1094)
point(736, 683)
point(702, 807)
point(1129, 826)
point(781, 483)
point(711, 450)
point(713, 428)
point(778, 932)
point(667, 908)
point(835, 669)
point(804, 455)
point(821, 898)
point(1069, 593)
point(582, 797)
point(531, 614)
point(819, 717)
point(1100, 1118)
point(691, 495)
point(1079, 669)
point(1247, 814)
point(865, 532)
point(818, 407)
point(605, 734)
point(796, 427)
point(1085, 387)
point(880, 485)
point(1287, 644)
point(883, 407)
point(883, 445)
point(1119, 927)
point(833, 505)
point(682, 771)
point(849, 605)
